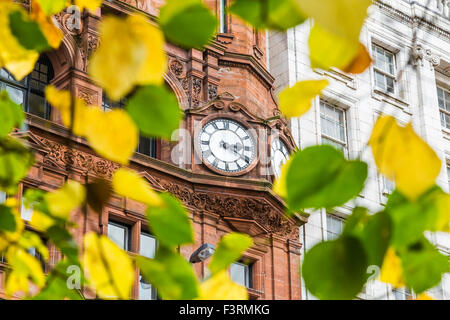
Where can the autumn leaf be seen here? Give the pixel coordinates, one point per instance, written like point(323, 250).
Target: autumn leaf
point(24, 267)
point(391, 270)
point(344, 18)
point(109, 269)
point(12, 236)
point(51, 32)
point(88, 4)
point(13, 56)
point(229, 250)
point(137, 45)
point(361, 62)
point(99, 128)
point(296, 101)
point(279, 185)
point(51, 7)
point(402, 156)
point(129, 184)
point(63, 201)
point(220, 287)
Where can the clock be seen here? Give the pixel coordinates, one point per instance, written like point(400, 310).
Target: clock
point(227, 146)
point(279, 155)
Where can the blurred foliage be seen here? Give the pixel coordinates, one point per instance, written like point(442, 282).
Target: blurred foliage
point(131, 61)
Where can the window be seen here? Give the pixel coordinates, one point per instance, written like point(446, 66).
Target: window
point(444, 107)
point(335, 225)
point(388, 186)
point(241, 274)
point(26, 212)
point(108, 104)
point(448, 175)
point(223, 16)
point(147, 249)
point(402, 294)
point(2, 197)
point(384, 69)
point(333, 126)
point(29, 92)
point(146, 146)
point(120, 235)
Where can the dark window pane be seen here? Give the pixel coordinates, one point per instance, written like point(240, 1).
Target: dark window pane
point(37, 105)
point(147, 146)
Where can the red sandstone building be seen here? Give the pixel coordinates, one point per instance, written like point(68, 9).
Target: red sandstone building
point(225, 84)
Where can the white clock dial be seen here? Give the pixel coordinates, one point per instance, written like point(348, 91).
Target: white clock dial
point(227, 146)
point(280, 155)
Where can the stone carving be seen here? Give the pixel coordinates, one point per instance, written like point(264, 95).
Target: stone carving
point(212, 92)
point(257, 209)
point(240, 207)
point(177, 68)
point(143, 5)
point(419, 54)
point(196, 91)
point(63, 157)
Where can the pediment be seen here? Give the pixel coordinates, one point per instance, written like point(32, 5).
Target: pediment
point(226, 103)
point(32, 140)
point(152, 180)
point(250, 227)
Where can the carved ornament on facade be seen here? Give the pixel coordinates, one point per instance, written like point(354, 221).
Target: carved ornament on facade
point(260, 210)
point(421, 54)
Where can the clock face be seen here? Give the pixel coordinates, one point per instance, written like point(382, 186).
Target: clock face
point(227, 146)
point(280, 155)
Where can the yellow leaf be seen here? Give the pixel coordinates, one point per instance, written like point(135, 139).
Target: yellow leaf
point(402, 156)
point(443, 207)
point(328, 50)
point(41, 221)
point(24, 268)
point(137, 45)
point(129, 184)
point(63, 201)
point(296, 101)
point(7, 237)
point(112, 135)
point(109, 269)
point(51, 32)
point(220, 287)
point(88, 4)
point(344, 18)
point(13, 57)
point(391, 270)
point(360, 63)
point(424, 296)
point(280, 184)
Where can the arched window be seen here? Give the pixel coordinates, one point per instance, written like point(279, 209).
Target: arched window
point(146, 146)
point(29, 92)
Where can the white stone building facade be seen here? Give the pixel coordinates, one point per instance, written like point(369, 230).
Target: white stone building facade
point(409, 41)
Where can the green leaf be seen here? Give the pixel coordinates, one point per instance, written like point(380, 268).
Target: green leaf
point(56, 287)
point(170, 223)
point(171, 274)
point(411, 219)
point(271, 14)
point(27, 32)
point(64, 241)
point(15, 160)
point(229, 250)
point(188, 23)
point(51, 7)
point(11, 113)
point(423, 265)
point(7, 219)
point(320, 177)
point(155, 110)
point(336, 269)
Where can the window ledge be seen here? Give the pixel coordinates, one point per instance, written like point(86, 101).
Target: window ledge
point(225, 38)
point(391, 99)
